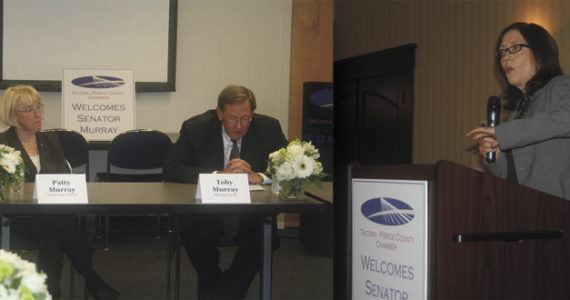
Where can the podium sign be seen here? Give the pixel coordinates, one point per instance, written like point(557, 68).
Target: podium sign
point(98, 103)
point(481, 231)
point(389, 239)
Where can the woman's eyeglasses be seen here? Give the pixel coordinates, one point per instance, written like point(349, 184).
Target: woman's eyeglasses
point(32, 109)
point(512, 50)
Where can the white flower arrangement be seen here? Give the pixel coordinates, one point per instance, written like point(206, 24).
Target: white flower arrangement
point(296, 166)
point(12, 166)
point(19, 279)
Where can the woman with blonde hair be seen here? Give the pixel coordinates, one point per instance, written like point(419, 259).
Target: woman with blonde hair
point(21, 108)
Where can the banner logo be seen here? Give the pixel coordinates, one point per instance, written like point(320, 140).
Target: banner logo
point(98, 82)
point(387, 211)
point(323, 98)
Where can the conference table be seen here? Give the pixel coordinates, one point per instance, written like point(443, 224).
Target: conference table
point(169, 198)
point(317, 230)
point(324, 194)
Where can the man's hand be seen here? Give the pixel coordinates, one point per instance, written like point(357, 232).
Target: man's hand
point(254, 178)
point(237, 165)
point(240, 166)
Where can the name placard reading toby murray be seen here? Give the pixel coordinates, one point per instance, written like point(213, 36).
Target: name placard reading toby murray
point(223, 188)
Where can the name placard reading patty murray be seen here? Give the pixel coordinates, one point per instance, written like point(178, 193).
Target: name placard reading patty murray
point(60, 189)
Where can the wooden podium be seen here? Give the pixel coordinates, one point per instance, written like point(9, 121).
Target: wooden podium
point(488, 238)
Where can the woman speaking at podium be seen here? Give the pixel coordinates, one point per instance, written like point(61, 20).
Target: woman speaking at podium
point(533, 146)
point(21, 109)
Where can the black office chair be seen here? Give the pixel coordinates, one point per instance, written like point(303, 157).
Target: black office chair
point(136, 156)
point(75, 149)
point(76, 153)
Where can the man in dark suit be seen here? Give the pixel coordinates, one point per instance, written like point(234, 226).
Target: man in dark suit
point(229, 139)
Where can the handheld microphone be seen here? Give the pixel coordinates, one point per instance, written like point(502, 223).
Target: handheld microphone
point(493, 113)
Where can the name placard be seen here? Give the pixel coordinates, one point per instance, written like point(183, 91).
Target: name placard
point(60, 189)
point(223, 188)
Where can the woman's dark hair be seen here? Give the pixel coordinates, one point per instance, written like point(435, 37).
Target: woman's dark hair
point(545, 52)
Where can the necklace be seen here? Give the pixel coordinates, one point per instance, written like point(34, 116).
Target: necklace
point(28, 143)
point(26, 139)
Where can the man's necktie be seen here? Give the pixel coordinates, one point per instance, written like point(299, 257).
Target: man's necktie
point(235, 150)
point(231, 223)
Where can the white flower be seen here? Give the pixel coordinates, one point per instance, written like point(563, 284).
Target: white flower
point(318, 168)
point(294, 150)
point(34, 281)
point(6, 148)
point(10, 161)
point(303, 166)
point(308, 147)
point(284, 172)
point(295, 166)
point(12, 259)
point(274, 154)
point(13, 157)
point(11, 166)
point(18, 273)
point(10, 294)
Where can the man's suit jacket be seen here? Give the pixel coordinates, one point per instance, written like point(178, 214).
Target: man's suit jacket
point(200, 148)
point(49, 148)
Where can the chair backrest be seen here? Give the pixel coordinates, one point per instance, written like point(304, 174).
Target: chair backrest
point(140, 149)
point(75, 148)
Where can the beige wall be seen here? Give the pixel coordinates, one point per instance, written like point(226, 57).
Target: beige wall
point(311, 54)
point(219, 42)
point(455, 72)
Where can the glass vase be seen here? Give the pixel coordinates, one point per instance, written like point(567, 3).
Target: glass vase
point(300, 192)
point(274, 185)
point(11, 191)
point(292, 190)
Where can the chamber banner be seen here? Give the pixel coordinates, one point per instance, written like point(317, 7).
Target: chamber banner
point(98, 103)
point(318, 121)
point(389, 239)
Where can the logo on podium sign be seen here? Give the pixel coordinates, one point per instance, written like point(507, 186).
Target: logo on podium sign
point(387, 211)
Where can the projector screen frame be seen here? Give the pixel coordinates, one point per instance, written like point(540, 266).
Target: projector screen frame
point(55, 85)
